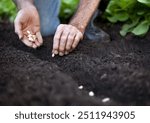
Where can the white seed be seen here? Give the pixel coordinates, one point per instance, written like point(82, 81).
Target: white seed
point(80, 87)
point(105, 100)
point(53, 55)
point(34, 37)
point(28, 32)
point(31, 39)
point(91, 94)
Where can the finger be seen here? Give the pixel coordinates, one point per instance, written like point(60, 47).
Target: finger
point(37, 43)
point(66, 52)
point(18, 29)
point(70, 41)
point(56, 41)
point(27, 42)
point(34, 46)
point(39, 38)
point(63, 41)
point(77, 40)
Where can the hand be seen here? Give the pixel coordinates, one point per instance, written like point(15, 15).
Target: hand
point(28, 20)
point(66, 39)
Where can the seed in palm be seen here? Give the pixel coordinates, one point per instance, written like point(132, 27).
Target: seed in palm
point(31, 37)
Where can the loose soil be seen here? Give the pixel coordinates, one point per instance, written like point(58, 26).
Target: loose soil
point(119, 70)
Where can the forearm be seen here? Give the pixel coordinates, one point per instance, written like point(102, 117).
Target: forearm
point(23, 3)
point(84, 13)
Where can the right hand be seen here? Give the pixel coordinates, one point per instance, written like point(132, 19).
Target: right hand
point(28, 19)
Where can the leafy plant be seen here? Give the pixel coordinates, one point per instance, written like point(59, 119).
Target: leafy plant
point(135, 14)
point(7, 10)
point(68, 7)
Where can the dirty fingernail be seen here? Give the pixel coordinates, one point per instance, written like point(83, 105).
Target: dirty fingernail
point(56, 52)
point(61, 54)
point(66, 53)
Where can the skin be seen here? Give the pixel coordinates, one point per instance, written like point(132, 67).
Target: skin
point(67, 36)
point(28, 19)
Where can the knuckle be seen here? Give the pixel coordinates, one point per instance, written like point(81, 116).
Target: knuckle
point(70, 38)
point(80, 34)
point(60, 26)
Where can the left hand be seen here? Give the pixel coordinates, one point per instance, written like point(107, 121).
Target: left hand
point(66, 39)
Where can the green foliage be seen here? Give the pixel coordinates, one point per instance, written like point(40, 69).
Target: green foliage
point(68, 7)
point(7, 10)
point(134, 13)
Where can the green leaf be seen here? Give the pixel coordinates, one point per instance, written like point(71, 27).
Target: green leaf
point(112, 19)
point(134, 14)
point(128, 27)
point(68, 7)
point(146, 2)
point(141, 29)
point(121, 16)
point(7, 10)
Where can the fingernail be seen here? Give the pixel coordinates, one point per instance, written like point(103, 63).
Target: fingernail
point(56, 52)
point(34, 46)
point(66, 53)
point(61, 54)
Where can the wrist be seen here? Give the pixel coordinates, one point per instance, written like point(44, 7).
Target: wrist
point(24, 4)
point(79, 26)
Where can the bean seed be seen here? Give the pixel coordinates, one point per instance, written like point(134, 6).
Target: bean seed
point(80, 87)
point(31, 37)
point(106, 100)
point(91, 94)
point(53, 55)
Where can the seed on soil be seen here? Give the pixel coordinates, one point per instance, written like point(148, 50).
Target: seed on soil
point(104, 76)
point(80, 87)
point(105, 100)
point(53, 55)
point(91, 94)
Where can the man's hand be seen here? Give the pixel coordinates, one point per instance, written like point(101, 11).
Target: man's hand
point(28, 20)
point(66, 39)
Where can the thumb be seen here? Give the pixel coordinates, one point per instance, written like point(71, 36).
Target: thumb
point(18, 29)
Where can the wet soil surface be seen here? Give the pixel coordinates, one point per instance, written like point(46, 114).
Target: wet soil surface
point(118, 70)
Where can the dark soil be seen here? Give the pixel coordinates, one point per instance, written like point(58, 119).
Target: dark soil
point(119, 69)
